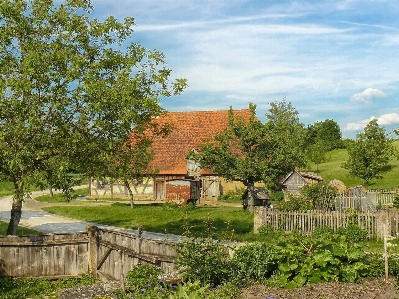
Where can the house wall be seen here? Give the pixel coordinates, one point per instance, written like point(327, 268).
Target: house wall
point(294, 183)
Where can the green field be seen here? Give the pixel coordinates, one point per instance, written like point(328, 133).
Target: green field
point(332, 169)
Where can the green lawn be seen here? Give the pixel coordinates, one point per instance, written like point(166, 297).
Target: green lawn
point(59, 197)
point(20, 231)
point(167, 219)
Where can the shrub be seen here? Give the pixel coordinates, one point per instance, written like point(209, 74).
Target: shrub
point(353, 233)
point(322, 231)
point(232, 195)
point(277, 196)
point(143, 282)
point(295, 203)
point(256, 261)
point(270, 231)
point(322, 195)
point(204, 260)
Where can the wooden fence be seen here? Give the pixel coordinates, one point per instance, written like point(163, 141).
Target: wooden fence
point(374, 222)
point(366, 202)
point(104, 253)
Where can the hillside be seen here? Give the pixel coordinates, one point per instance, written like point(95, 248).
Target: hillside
point(332, 169)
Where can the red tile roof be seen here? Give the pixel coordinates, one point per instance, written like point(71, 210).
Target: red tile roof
point(190, 130)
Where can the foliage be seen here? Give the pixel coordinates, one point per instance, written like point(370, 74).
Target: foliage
point(232, 195)
point(270, 231)
point(325, 132)
point(226, 290)
point(317, 153)
point(144, 282)
point(254, 262)
point(11, 288)
point(395, 202)
point(249, 151)
point(295, 203)
point(276, 196)
point(205, 260)
point(323, 259)
point(370, 153)
point(322, 195)
point(190, 290)
point(71, 91)
point(353, 233)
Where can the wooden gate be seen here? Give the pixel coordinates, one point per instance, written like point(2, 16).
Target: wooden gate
point(113, 254)
point(210, 187)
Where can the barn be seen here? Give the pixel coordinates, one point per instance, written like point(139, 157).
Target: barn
point(177, 176)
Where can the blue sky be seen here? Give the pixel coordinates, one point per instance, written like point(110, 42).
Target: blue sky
point(331, 59)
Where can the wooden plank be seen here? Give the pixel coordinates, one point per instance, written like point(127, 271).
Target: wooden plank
point(103, 259)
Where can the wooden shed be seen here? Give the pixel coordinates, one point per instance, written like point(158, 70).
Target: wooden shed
point(296, 179)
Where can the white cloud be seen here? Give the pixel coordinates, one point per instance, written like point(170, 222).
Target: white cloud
point(383, 120)
point(388, 119)
point(367, 95)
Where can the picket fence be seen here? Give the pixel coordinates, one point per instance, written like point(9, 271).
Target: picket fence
point(376, 223)
point(368, 201)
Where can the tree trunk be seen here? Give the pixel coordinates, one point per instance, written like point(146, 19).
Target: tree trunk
point(50, 187)
point(16, 209)
point(127, 185)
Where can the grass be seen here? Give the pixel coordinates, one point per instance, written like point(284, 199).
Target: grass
point(60, 198)
point(168, 219)
point(20, 231)
point(6, 188)
point(332, 169)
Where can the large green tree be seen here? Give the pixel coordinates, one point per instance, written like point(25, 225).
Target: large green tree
point(327, 132)
point(251, 151)
point(71, 89)
point(370, 153)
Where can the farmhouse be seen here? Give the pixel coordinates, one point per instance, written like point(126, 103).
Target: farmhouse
point(296, 179)
point(178, 178)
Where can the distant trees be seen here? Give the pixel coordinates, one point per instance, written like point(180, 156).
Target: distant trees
point(325, 132)
point(250, 151)
point(370, 153)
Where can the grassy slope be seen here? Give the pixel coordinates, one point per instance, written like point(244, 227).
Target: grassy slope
point(332, 170)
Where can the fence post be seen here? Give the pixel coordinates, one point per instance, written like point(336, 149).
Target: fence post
point(383, 223)
point(93, 236)
point(258, 218)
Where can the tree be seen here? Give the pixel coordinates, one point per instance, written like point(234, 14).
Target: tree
point(327, 131)
point(317, 153)
point(370, 153)
point(72, 88)
point(249, 151)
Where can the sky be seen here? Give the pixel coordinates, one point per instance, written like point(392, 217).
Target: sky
point(330, 59)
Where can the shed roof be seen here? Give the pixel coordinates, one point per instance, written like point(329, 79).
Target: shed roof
point(190, 129)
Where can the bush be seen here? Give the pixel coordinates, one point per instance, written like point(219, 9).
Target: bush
point(353, 233)
point(277, 196)
point(143, 282)
point(295, 203)
point(233, 195)
point(204, 260)
point(270, 231)
point(256, 262)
